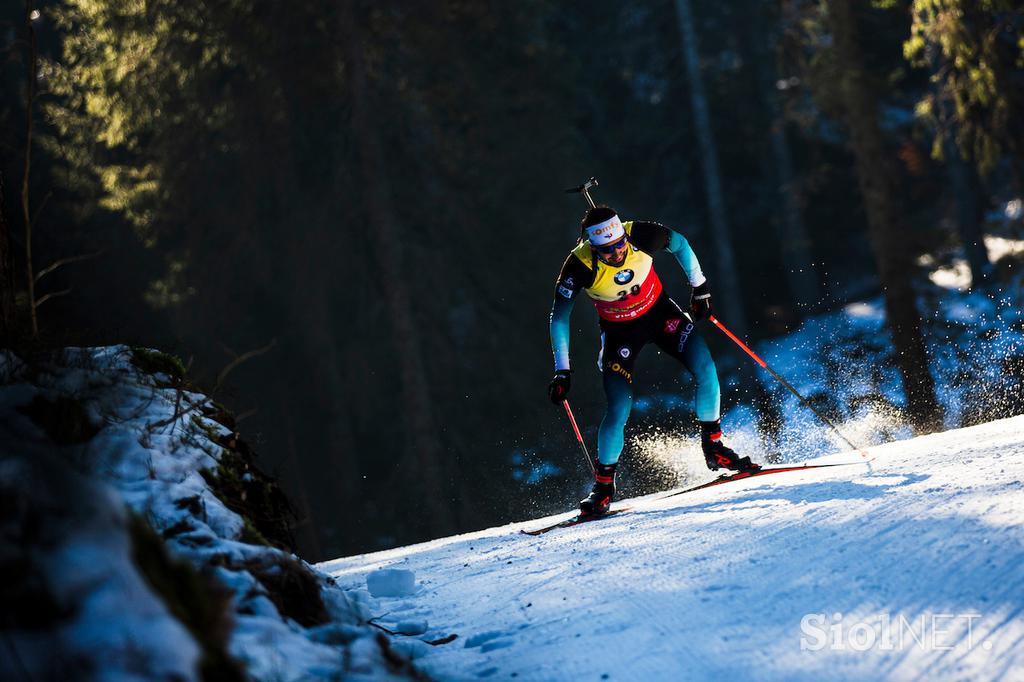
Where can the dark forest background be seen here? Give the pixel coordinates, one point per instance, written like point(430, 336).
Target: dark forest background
point(347, 217)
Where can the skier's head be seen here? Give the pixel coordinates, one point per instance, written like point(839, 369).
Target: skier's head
point(607, 237)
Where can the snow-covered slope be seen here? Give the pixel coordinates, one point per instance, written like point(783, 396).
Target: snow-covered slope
point(910, 567)
point(121, 557)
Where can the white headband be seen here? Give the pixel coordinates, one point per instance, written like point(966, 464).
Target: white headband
point(608, 232)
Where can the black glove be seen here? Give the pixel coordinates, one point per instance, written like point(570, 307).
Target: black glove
point(559, 386)
point(700, 302)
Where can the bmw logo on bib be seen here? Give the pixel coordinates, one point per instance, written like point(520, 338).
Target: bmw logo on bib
point(623, 276)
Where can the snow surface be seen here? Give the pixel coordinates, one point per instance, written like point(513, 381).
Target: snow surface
point(906, 567)
point(957, 275)
point(975, 340)
point(843, 361)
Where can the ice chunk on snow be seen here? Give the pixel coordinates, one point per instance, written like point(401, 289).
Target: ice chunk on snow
point(391, 582)
point(411, 627)
point(359, 602)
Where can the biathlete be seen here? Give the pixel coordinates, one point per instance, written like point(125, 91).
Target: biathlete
point(613, 264)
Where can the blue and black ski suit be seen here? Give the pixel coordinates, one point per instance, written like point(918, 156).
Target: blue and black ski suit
point(633, 311)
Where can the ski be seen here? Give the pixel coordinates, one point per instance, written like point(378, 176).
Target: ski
point(574, 521)
point(728, 478)
point(724, 478)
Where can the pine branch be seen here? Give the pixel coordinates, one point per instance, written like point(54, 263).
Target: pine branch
point(47, 297)
point(66, 261)
point(239, 360)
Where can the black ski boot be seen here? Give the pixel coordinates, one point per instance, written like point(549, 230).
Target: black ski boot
point(716, 455)
point(596, 503)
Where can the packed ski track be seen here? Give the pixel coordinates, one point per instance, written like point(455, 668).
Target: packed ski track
point(909, 567)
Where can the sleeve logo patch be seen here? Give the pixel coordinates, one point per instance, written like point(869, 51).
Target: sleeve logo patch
point(565, 291)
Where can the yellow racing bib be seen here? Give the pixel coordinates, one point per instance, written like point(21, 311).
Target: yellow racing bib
point(621, 292)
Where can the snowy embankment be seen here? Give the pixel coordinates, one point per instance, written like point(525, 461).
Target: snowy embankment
point(910, 567)
point(131, 540)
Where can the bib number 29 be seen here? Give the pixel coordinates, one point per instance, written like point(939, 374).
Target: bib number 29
point(633, 291)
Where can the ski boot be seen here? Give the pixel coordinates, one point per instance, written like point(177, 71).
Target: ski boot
point(600, 497)
point(717, 456)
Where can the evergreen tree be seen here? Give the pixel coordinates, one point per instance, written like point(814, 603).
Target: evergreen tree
point(976, 51)
point(892, 259)
point(727, 283)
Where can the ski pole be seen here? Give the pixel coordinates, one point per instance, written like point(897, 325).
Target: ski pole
point(782, 381)
point(579, 436)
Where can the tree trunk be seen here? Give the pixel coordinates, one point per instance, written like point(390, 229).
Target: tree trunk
point(8, 319)
point(423, 464)
point(794, 242)
point(893, 258)
point(307, 526)
point(726, 285)
point(965, 183)
point(30, 96)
